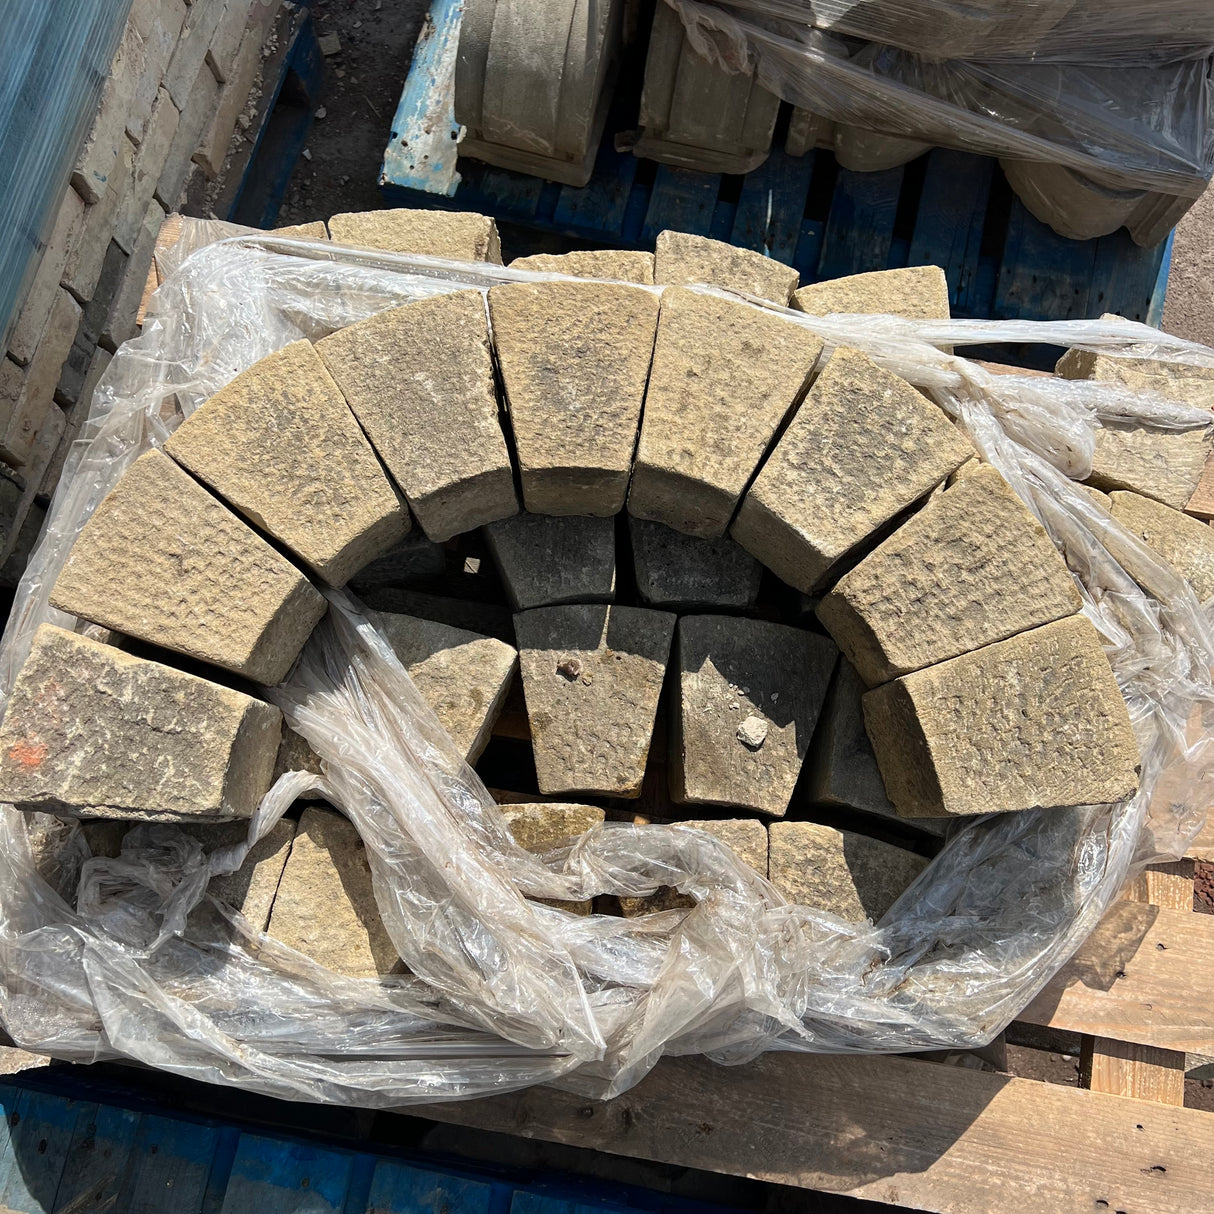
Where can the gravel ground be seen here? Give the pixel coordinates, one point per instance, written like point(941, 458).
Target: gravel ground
point(1189, 308)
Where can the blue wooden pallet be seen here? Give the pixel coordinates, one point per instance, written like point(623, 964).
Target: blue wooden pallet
point(66, 1149)
point(949, 208)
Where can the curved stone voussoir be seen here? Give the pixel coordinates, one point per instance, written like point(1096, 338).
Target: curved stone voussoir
point(457, 235)
point(682, 259)
point(163, 561)
point(544, 560)
point(281, 447)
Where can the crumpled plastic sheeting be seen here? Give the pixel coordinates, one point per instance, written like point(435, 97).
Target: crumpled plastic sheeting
point(1136, 121)
point(503, 992)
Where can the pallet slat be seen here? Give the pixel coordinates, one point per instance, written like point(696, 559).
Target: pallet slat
point(399, 1188)
point(97, 1159)
point(40, 1129)
point(771, 205)
point(860, 232)
point(270, 1176)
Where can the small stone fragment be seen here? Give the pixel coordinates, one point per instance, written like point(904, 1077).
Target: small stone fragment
point(592, 737)
point(1034, 722)
point(463, 676)
point(725, 376)
point(683, 259)
point(280, 445)
point(419, 378)
point(94, 732)
point(847, 874)
point(864, 446)
point(456, 235)
point(574, 358)
point(315, 230)
point(972, 567)
point(163, 561)
point(295, 754)
point(543, 826)
point(916, 292)
point(711, 761)
point(1185, 543)
point(680, 571)
point(329, 44)
point(544, 559)
point(618, 265)
point(325, 906)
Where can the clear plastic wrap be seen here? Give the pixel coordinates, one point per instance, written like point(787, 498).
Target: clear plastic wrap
point(1130, 107)
point(502, 991)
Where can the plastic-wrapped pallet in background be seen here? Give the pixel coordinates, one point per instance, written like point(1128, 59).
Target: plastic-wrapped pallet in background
point(1107, 109)
point(502, 991)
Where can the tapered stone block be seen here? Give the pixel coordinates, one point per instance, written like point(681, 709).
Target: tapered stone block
point(543, 826)
point(544, 560)
point(677, 570)
point(619, 265)
point(916, 292)
point(325, 906)
point(463, 676)
point(281, 447)
point(750, 694)
point(864, 446)
point(1034, 722)
point(725, 376)
point(850, 875)
point(163, 561)
point(456, 235)
point(972, 567)
point(420, 381)
point(1185, 543)
point(574, 358)
point(592, 677)
point(683, 259)
point(94, 732)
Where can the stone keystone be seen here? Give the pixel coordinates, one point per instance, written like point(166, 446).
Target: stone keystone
point(972, 567)
point(163, 561)
point(543, 826)
point(862, 448)
point(592, 676)
point(325, 907)
point(677, 570)
point(725, 376)
point(917, 292)
point(94, 732)
point(1185, 543)
point(546, 560)
point(574, 358)
point(620, 265)
point(735, 674)
point(463, 676)
point(850, 875)
point(280, 446)
point(457, 235)
point(1035, 722)
point(683, 259)
point(419, 378)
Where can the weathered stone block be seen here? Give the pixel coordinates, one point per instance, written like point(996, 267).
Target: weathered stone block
point(197, 34)
point(972, 567)
point(213, 149)
point(546, 825)
point(849, 875)
point(95, 732)
point(280, 445)
point(677, 570)
point(82, 269)
point(457, 235)
point(31, 321)
point(917, 292)
point(574, 358)
point(725, 376)
point(122, 324)
point(99, 154)
point(1034, 722)
point(413, 559)
point(314, 230)
point(750, 693)
point(683, 259)
point(841, 768)
point(545, 559)
point(163, 561)
point(420, 380)
point(619, 265)
point(325, 906)
point(1187, 544)
point(463, 676)
point(864, 446)
point(592, 677)
point(196, 116)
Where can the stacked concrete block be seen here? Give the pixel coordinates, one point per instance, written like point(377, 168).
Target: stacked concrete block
point(544, 559)
point(917, 292)
point(1034, 722)
point(886, 446)
point(592, 677)
point(420, 381)
point(544, 826)
point(1187, 544)
point(280, 445)
point(721, 368)
point(616, 265)
point(532, 83)
point(163, 561)
point(749, 697)
point(574, 358)
point(456, 235)
point(682, 259)
point(674, 570)
point(696, 114)
point(95, 732)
